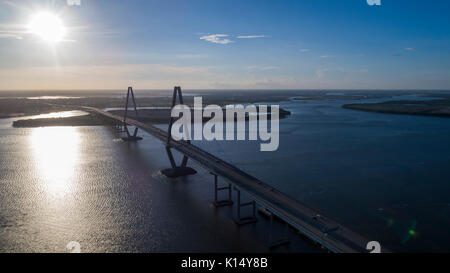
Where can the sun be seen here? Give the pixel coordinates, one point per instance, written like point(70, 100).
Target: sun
point(47, 26)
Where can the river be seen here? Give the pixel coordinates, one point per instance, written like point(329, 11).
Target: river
point(386, 176)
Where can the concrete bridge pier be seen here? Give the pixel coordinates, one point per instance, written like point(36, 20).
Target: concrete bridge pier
point(222, 202)
point(284, 240)
point(250, 219)
point(131, 137)
point(177, 171)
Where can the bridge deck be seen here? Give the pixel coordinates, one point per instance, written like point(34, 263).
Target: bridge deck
point(319, 228)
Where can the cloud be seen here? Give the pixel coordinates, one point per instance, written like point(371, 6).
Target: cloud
point(223, 38)
point(261, 68)
point(323, 73)
point(269, 67)
point(251, 36)
point(12, 4)
point(9, 36)
point(305, 50)
point(410, 49)
point(104, 76)
point(217, 39)
point(320, 73)
point(325, 56)
point(11, 31)
point(190, 56)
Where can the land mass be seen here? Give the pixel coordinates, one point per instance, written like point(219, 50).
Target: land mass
point(26, 103)
point(154, 116)
point(29, 103)
point(439, 108)
point(86, 120)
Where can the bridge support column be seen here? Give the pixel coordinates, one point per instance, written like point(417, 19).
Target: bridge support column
point(221, 203)
point(130, 137)
point(119, 128)
point(176, 171)
point(283, 241)
point(246, 219)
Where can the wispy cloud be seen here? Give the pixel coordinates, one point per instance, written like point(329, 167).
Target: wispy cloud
point(190, 56)
point(326, 72)
point(225, 38)
point(320, 73)
point(252, 36)
point(305, 50)
point(11, 31)
point(410, 49)
point(9, 36)
point(325, 56)
point(10, 3)
point(103, 76)
point(217, 39)
point(261, 68)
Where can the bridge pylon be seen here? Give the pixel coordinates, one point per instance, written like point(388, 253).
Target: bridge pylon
point(250, 219)
point(223, 202)
point(183, 169)
point(130, 137)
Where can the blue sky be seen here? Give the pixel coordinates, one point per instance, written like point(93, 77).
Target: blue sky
point(232, 44)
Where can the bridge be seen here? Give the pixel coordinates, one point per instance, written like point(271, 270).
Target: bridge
point(321, 229)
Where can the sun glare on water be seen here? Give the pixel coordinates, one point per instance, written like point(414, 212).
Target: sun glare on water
point(56, 153)
point(48, 27)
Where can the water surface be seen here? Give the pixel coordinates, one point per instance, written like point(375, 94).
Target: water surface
point(62, 184)
point(385, 175)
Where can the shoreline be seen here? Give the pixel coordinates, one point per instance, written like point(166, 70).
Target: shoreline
point(13, 106)
point(85, 120)
point(19, 107)
point(437, 108)
point(157, 116)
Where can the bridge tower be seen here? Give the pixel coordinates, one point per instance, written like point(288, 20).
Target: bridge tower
point(130, 137)
point(182, 170)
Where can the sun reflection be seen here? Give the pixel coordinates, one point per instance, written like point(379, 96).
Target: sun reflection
point(56, 151)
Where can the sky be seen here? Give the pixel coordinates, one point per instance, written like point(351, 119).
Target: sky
point(227, 44)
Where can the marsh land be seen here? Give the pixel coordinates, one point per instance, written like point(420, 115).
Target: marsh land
point(158, 102)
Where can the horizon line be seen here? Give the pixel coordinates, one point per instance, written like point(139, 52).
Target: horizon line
point(224, 89)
